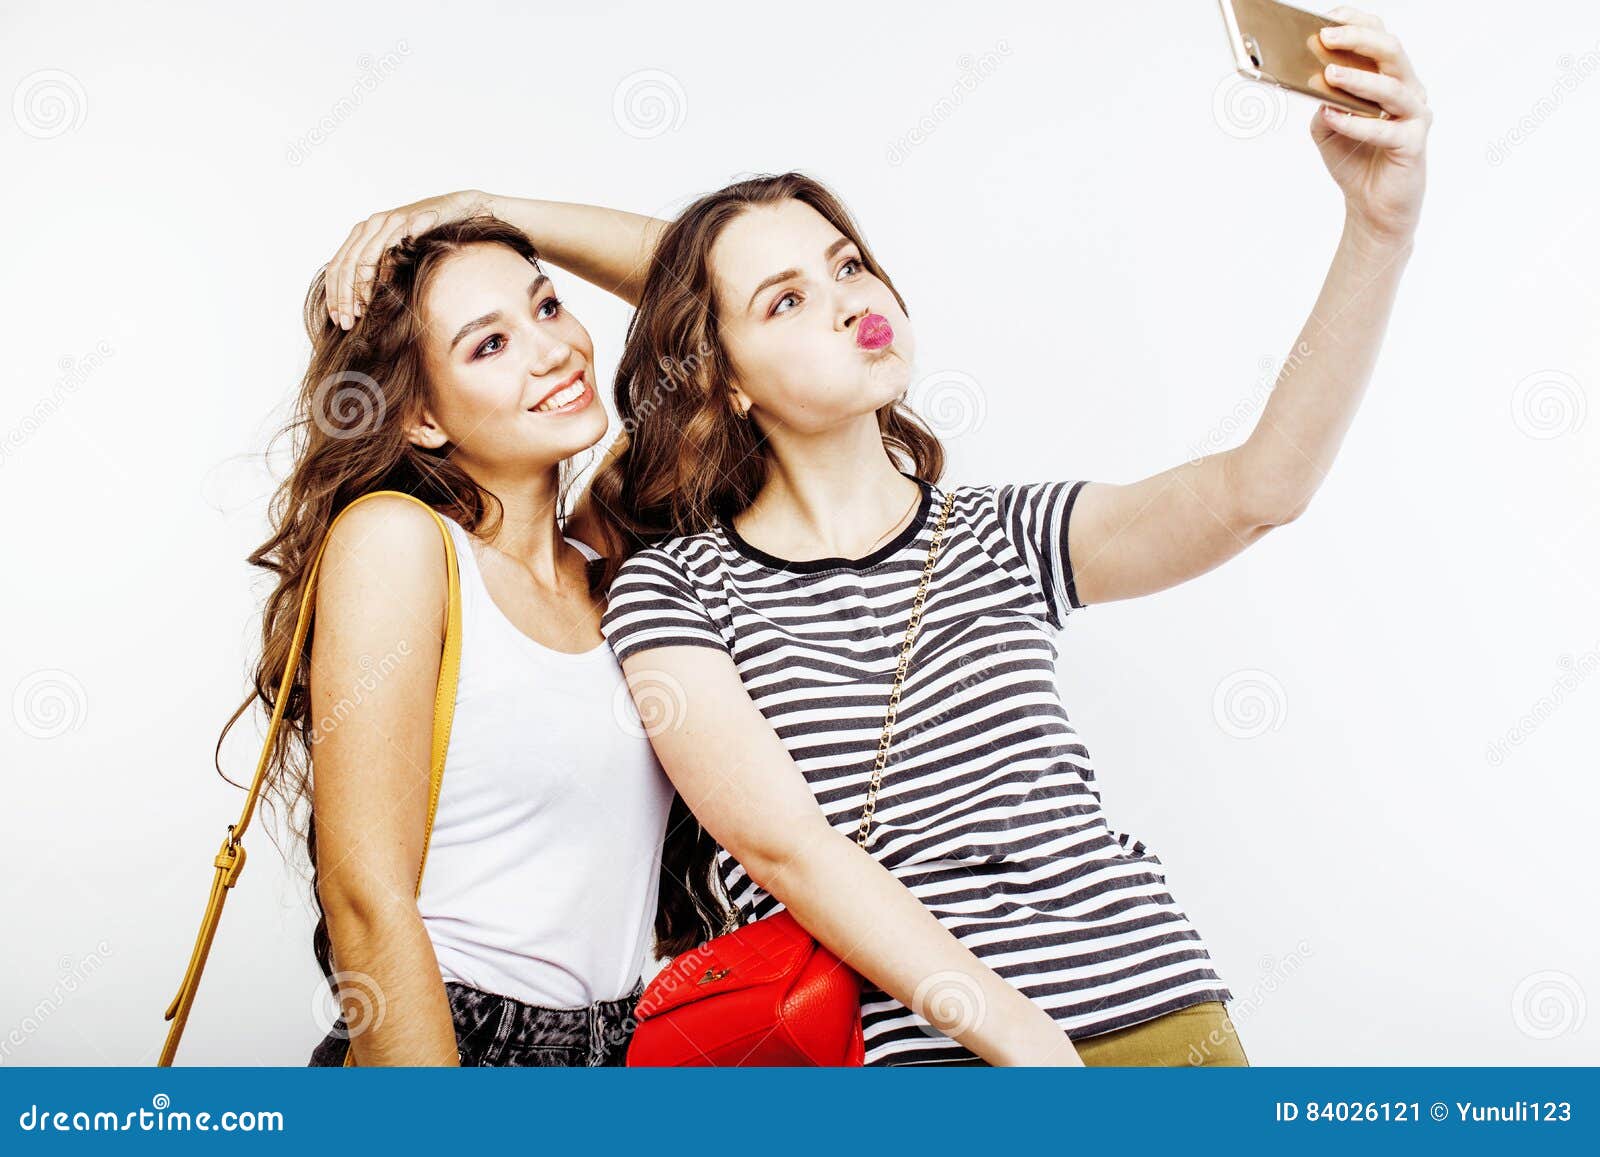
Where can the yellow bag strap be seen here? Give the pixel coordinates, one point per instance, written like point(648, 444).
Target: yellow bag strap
point(229, 861)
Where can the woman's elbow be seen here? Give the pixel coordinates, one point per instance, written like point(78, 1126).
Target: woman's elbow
point(366, 912)
point(777, 858)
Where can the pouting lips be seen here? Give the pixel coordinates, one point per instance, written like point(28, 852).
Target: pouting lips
point(874, 332)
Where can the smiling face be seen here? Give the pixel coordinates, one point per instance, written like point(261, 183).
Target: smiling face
point(510, 371)
point(815, 339)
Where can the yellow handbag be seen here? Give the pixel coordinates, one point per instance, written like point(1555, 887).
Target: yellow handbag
point(229, 861)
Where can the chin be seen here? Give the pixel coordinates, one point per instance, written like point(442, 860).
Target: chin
point(892, 384)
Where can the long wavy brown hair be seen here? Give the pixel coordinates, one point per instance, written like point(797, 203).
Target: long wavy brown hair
point(362, 389)
point(689, 457)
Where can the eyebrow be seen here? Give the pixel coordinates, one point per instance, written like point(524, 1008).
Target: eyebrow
point(776, 278)
point(479, 322)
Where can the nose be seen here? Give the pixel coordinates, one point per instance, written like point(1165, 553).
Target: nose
point(853, 314)
point(549, 357)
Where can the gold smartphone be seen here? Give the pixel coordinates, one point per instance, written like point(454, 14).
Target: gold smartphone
point(1280, 45)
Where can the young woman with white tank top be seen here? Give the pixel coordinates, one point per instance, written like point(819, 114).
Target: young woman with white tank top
point(443, 366)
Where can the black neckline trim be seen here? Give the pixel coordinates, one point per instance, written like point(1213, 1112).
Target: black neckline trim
point(817, 565)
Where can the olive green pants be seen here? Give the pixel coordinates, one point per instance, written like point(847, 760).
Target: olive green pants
point(1202, 1034)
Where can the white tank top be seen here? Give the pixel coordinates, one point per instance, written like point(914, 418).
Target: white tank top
point(542, 876)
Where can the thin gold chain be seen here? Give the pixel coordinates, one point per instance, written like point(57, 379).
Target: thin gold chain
point(733, 916)
point(900, 674)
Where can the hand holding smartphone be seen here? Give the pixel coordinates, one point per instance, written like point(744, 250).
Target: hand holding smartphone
point(1281, 45)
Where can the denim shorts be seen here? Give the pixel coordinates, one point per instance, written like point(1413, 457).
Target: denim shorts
point(497, 1030)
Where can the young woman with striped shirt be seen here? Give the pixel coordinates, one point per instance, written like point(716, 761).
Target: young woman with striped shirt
point(789, 501)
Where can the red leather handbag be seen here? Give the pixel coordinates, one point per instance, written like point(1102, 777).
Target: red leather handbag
point(769, 993)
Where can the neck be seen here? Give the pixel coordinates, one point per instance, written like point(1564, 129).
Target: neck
point(837, 494)
point(528, 530)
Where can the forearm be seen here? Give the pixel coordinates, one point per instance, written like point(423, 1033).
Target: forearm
point(855, 906)
point(1321, 384)
point(394, 1000)
point(606, 247)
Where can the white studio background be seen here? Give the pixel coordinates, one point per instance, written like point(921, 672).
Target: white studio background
point(1366, 748)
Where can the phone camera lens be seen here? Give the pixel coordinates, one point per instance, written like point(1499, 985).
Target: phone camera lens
point(1253, 50)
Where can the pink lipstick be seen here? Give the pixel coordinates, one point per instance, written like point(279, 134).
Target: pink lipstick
point(874, 332)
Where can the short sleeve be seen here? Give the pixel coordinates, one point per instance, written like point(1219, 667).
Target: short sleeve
point(651, 603)
point(1034, 517)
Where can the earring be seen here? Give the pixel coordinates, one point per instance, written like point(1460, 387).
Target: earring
point(742, 415)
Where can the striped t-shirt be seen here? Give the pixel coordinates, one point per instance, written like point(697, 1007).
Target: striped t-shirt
point(988, 810)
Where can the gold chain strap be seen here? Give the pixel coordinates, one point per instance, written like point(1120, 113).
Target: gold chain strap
point(900, 674)
point(731, 923)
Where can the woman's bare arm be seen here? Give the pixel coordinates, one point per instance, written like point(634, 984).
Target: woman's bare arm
point(1128, 540)
point(735, 775)
point(374, 667)
point(1137, 538)
point(610, 248)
